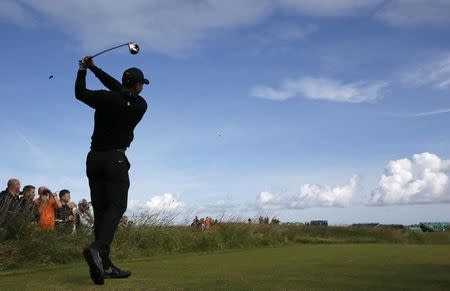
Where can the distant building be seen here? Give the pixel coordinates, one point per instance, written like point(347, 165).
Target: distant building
point(434, 226)
point(319, 222)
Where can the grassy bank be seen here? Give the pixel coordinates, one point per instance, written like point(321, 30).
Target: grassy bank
point(296, 267)
point(25, 245)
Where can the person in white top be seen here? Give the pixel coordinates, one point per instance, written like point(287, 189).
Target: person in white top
point(84, 214)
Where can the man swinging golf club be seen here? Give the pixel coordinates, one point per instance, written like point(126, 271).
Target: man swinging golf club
point(117, 112)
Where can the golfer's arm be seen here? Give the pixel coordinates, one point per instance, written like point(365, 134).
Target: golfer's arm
point(89, 97)
point(141, 109)
point(108, 81)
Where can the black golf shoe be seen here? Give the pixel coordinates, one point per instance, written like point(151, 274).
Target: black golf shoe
point(93, 259)
point(115, 273)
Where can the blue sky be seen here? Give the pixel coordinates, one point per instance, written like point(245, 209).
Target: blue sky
point(303, 109)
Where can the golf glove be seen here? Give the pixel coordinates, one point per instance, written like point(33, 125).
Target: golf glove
point(82, 65)
point(88, 62)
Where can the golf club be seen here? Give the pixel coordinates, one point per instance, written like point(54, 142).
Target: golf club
point(132, 47)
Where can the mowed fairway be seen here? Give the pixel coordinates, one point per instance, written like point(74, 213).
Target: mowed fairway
point(299, 267)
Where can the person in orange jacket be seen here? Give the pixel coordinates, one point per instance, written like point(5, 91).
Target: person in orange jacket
point(47, 203)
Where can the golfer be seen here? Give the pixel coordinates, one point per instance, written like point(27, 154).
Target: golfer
point(117, 112)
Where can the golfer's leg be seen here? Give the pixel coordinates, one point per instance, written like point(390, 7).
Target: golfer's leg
point(97, 177)
point(98, 191)
point(117, 196)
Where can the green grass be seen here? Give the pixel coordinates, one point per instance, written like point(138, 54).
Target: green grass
point(295, 267)
point(62, 247)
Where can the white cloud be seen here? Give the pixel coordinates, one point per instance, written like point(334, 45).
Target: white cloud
point(325, 196)
point(166, 202)
point(415, 12)
point(310, 195)
point(322, 89)
point(169, 208)
point(423, 179)
point(435, 73)
point(270, 200)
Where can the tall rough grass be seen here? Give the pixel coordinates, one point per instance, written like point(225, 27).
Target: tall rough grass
point(22, 243)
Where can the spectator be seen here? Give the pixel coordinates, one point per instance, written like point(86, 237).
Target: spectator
point(47, 203)
point(195, 222)
point(72, 206)
point(73, 210)
point(208, 222)
point(123, 221)
point(261, 220)
point(64, 214)
point(27, 205)
point(28, 193)
point(9, 198)
point(85, 216)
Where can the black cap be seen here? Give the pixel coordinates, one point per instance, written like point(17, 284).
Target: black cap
point(132, 76)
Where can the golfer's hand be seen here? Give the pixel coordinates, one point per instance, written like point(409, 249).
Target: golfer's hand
point(81, 65)
point(88, 62)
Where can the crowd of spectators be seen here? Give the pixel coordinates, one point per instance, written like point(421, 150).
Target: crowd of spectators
point(266, 220)
point(203, 223)
point(48, 210)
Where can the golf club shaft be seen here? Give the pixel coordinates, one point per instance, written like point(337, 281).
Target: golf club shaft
point(110, 49)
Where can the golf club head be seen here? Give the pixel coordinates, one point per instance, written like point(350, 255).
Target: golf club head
point(133, 47)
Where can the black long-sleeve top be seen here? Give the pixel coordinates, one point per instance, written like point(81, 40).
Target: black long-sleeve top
point(117, 112)
point(63, 213)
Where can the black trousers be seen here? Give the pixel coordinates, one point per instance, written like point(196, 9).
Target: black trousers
point(109, 182)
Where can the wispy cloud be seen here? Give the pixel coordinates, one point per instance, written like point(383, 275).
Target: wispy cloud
point(322, 89)
point(14, 11)
point(415, 12)
point(38, 155)
point(170, 27)
point(175, 26)
point(435, 73)
point(423, 179)
point(286, 32)
point(265, 92)
point(329, 8)
point(421, 114)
